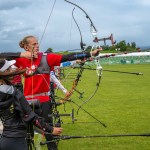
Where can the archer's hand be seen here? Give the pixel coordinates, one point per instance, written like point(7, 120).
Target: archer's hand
point(68, 94)
point(57, 130)
point(29, 55)
point(96, 52)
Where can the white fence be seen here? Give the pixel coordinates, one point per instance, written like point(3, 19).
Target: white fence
point(130, 58)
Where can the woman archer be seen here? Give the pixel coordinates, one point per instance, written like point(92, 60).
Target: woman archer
point(39, 65)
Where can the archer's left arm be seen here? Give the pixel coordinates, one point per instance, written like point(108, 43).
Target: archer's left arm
point(54, 79)
point(75, 56)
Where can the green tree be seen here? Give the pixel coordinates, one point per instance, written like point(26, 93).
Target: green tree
point(121, 45)
point(133, 45)
point(49, 50)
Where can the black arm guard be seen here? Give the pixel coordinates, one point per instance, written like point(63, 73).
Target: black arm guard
point(41, 124)
point(75, 56)
point(10, 55)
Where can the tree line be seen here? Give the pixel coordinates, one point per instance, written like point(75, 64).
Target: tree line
point(122, 46)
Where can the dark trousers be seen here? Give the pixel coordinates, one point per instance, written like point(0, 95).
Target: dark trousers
point(46, 112)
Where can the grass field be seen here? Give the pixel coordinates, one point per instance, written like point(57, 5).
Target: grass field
point(122, 102)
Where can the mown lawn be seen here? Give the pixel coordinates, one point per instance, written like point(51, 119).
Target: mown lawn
point(122, 103)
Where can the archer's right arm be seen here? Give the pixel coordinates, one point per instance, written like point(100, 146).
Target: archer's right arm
point(11, 55)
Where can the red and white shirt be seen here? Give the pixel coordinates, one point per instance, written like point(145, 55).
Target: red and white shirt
point(38, 85)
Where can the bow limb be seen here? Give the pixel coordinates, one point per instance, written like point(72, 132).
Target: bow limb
point(67, 97)
point(74, 85)
point(87, 16)
point(82, 45)
point(93, 32)
point(99, 74)
point(97, 87)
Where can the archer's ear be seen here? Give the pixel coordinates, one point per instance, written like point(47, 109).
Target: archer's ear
point(26, 48)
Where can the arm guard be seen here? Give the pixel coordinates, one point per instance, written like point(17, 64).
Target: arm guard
point(75, 56)
point(10, 55)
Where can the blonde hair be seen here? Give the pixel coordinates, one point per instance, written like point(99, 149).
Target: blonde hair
point(24, 41)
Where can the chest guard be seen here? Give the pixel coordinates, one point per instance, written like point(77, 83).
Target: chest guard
point(43, 67)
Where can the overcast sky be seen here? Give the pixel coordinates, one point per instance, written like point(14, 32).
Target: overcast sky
point(127, 19)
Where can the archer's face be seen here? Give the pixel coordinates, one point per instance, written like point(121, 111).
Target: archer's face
point(32, 45)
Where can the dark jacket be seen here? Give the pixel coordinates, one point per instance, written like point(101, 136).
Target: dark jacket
point(16, 113)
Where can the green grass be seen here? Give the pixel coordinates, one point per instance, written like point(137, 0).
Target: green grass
point(122, 103)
